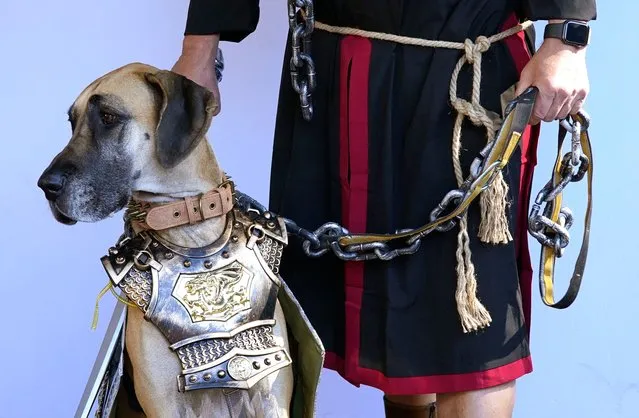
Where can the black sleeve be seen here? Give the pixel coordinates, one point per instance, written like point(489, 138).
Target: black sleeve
point(559, 9)
point(234, 20)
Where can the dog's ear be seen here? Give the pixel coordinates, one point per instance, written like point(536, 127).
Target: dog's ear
point(185, 113)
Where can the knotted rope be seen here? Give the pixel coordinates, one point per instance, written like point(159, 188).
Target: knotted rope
point(493, 227)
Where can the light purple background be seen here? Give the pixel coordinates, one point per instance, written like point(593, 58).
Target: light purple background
point(585, 357)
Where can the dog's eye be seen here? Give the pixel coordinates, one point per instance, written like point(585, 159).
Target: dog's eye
point(108, 118)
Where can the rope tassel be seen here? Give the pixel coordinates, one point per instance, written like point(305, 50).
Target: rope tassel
point(472, 313)
point(494, 228)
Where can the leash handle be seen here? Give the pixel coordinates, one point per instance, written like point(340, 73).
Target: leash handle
point(551, 227)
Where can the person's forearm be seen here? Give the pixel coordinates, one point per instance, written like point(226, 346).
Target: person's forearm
point(201, 46)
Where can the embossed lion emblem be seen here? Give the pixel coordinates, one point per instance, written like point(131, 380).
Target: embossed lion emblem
point(215, 295)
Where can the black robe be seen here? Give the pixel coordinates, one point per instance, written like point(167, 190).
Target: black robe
point(376, 157)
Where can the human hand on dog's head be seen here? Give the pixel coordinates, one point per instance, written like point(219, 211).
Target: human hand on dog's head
point(133, 130)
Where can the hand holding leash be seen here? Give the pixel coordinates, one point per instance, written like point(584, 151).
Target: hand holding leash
point(559, 72)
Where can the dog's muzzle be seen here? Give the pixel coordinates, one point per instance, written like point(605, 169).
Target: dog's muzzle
point(52, 183)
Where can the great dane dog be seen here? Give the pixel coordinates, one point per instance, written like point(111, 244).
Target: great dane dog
point(140, 133)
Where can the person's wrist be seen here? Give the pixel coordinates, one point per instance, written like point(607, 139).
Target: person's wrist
point(557, 45)
point(200, 46)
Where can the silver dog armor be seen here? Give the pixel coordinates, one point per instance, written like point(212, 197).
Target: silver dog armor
point(216, 306)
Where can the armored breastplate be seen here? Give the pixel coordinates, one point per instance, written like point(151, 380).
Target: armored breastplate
point(215, 305)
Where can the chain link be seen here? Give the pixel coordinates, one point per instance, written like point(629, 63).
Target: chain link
point(325, 238)
point(303, 77)
point(574, 165)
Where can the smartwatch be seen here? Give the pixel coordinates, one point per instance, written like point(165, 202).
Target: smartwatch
point(570, 32)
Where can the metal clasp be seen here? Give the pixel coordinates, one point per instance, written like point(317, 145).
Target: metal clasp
point(144, 260)
point(256, 234)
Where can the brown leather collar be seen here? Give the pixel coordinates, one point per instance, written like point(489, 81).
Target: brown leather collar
point(189, 210)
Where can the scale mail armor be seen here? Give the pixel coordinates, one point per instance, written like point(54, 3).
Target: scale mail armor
point(215, 305)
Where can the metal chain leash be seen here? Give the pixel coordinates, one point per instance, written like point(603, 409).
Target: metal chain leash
point(301, 21)
point(319, 242)
point(573, 168)
point(326, 237)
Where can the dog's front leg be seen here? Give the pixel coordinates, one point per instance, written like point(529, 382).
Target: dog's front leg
point(273, 393)
point(155, 371)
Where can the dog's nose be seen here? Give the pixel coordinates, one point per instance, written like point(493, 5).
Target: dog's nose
point(52, 183)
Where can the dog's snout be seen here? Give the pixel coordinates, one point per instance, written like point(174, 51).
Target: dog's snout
point(52, 183)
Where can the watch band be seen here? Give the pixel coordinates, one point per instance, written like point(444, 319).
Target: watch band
point(554, 30)
point(570, 32)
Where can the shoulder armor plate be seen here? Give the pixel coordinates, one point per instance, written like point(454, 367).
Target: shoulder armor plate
point(271, 235)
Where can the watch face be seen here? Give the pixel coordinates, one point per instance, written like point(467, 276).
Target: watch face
point(576, 33)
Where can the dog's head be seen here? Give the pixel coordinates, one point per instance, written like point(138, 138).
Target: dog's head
point(131, 129)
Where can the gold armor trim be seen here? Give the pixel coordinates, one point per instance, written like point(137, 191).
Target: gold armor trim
point(216, 295)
